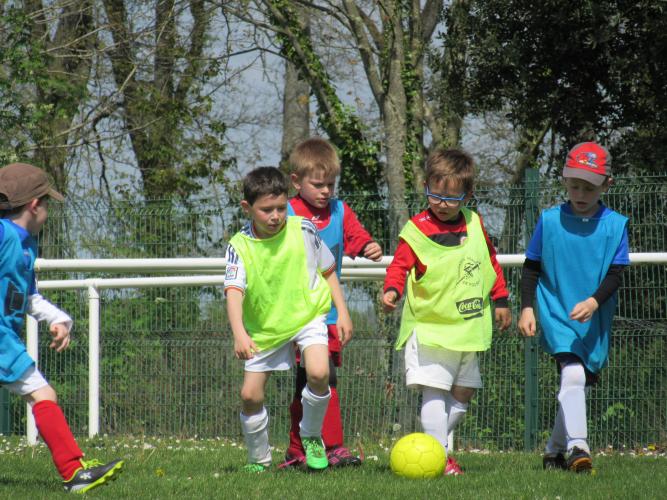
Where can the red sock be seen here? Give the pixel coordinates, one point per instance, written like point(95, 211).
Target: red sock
point(332, 427)
point(57, 435)
point(295, 448)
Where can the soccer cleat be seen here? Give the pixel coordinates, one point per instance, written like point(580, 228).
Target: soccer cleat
point(296, 461)
point(579, 461)
point(255, 468)
point(452, 468)
point(316, 457)
point(341, 457)
point(554, 461)
point(92, 474)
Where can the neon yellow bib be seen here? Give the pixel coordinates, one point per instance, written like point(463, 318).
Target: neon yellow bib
point(278, 301)
point(449, 305)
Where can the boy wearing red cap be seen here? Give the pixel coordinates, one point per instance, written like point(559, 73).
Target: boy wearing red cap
point(24, 194)
point(575, 261)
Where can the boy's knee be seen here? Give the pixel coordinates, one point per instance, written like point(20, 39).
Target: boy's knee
point(318, 378)
point(46, 393)
point(252, 401)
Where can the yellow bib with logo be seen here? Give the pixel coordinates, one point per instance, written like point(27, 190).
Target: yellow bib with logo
point(449, 305)
point(278, 301)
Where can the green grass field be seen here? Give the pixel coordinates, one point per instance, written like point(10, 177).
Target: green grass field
point(158, 468)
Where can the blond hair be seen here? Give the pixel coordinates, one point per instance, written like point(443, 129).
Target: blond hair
point(312, 155)
point(450, 164)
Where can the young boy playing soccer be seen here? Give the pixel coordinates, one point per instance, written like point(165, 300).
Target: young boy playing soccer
point(24, 197)
point(314, 167)
point(575, 260)
point(446, 318)
point(279, 283)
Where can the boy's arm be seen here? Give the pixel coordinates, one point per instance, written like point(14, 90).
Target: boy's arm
point(530, 274)
point(344, 323)
point(499, 292)
point(394, 282)
point(60, 323)
point(244, 347)
point(356, 240)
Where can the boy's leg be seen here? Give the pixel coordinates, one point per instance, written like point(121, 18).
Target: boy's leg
point(457, 401)
point(315, 399)
point(572, 398)
point(295, 454)
point(554, 451)
point(254, 418)
point(54, 429)
point(79, 476)
point(434, 414)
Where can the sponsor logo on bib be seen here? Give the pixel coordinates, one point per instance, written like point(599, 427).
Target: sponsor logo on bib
point(470, 308)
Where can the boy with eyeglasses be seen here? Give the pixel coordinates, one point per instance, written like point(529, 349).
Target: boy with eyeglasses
point(446, 318)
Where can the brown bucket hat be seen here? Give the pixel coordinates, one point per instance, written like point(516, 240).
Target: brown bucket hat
point(20, 183)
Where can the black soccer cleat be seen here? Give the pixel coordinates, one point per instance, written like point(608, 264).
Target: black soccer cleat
point(579, 461)
point(93, 474)
point(554, 461)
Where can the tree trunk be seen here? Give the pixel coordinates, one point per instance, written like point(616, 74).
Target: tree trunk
point(296, 112)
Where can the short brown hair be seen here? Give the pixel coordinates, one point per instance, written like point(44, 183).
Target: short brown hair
point(450, 164)
point(264, 181)
point(314, 154)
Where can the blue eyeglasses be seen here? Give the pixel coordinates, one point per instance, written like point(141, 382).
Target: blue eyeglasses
point(449, 200)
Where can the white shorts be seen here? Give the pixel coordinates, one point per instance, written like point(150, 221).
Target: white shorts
point(282, 358)
point(30, 381)
point(439, 367)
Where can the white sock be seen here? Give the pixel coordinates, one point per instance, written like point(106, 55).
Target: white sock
point(573, 403)
point(456, 411)
point(434, 414)
point(558, 440)
point(314, 408)
point(256, 433)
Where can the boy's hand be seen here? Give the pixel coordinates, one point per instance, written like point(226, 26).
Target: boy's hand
point(389, 301)
point(244, 346)
point(526, 322)
point(503, 318)
point(373, 251)
point(583, 311)
point(61, 337)
point(344, 327)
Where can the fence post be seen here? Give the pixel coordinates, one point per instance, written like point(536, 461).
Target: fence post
point(531, 196)
point(32, 347)
point(93, 361)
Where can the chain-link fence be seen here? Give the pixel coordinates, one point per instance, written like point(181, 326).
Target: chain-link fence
point(167, 366)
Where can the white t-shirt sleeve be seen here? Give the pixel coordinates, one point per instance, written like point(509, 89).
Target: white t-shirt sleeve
point(235, 275)
point(42, 310)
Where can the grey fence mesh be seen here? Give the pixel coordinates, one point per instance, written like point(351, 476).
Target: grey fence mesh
point(167, 366)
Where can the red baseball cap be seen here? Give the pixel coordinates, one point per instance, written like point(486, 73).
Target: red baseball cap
point(21, 183)
point(588, 161)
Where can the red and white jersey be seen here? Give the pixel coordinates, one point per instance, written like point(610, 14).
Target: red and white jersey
point(446, 234)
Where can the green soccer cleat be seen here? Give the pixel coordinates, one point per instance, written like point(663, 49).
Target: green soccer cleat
point(92, 474)
point(255, 468)
point(316, 455)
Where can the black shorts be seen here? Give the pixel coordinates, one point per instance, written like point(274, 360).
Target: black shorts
point(567, 358)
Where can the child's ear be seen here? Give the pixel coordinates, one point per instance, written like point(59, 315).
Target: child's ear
point(296, 181)
point(468, 195)
point(245, 206)
point(32, 205)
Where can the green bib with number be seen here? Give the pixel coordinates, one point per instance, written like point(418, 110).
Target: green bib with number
point(449, 305)
point(278, 301)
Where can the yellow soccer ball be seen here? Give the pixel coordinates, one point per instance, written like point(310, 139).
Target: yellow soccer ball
point(417, 456)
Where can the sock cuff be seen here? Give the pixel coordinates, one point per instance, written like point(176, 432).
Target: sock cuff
point(309, 395)
point(45, 404)
point(256, 420)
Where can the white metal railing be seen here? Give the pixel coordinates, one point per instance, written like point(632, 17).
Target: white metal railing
point(358, 269)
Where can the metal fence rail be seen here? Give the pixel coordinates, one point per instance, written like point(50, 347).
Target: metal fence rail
point(167, 365)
